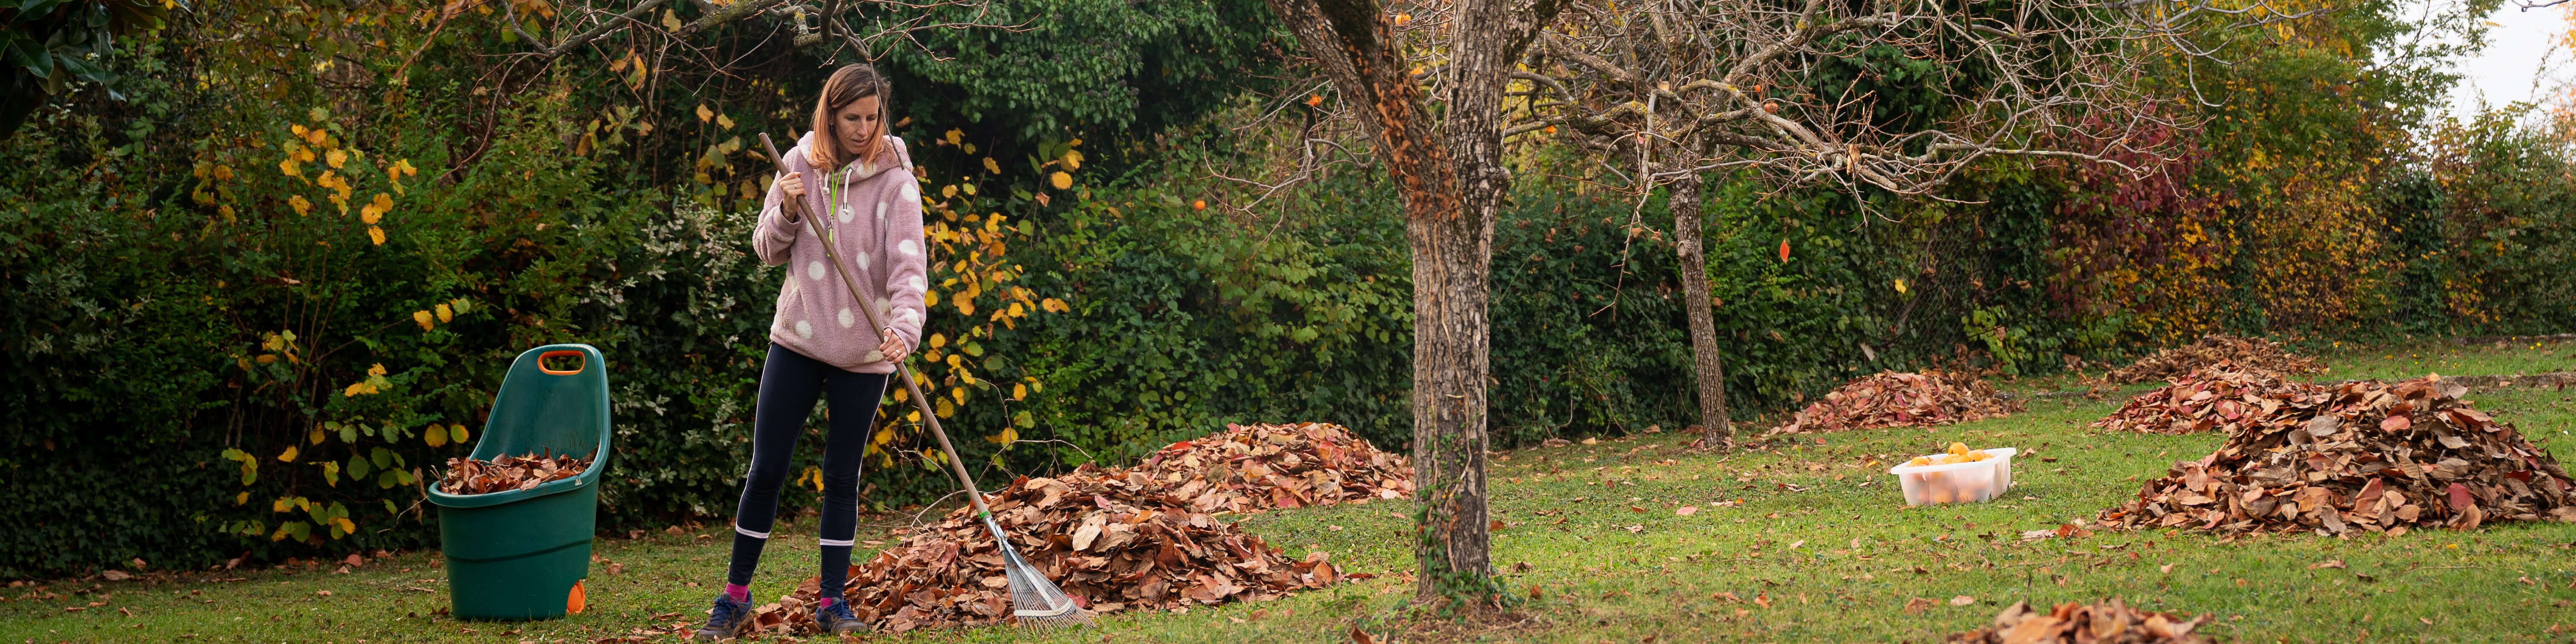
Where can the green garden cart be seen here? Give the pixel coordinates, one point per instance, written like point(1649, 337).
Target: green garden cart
point(522, 554)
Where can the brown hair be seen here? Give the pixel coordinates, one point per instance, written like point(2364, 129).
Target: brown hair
point(847, 85)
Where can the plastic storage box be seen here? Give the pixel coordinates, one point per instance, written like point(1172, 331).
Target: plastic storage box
point(1976, 481)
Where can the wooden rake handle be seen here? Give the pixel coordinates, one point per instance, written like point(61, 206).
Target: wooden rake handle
point(903, 368)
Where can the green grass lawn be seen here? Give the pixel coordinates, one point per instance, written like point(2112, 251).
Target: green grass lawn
point(1818, 533)
point(2416, 359)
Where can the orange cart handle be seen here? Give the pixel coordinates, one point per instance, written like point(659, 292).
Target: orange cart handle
point(541, 362)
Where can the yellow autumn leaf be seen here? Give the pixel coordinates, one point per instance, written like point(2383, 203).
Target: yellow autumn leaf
point(900, 397)
point(288, 166)
point(457, 434)
point(337, 158)
point(965, 306)
point(1053, 305)
point(930, 298)
point(1017, 312)
point(435, 437)
point(947, 191)
point(1019, 391)
point(955, 136)
point(288, 455)
point(1072, 159)
point(1061, 180)
point(444, 314)
point(346, 526)
point(314, 436)
point(355, 389)
point(422, 317)
point(991, 166)
point(1900, 286)
point(1007, 436)
point(938, 340)
point(376, 234)
point(945, 409)
point(960, 393)
point(377, 369)
point(301, 206)
point(705, 114)
point(242, 498)
point(724, 121)
point(282, 504)
point(223, 172)
point(915, 416)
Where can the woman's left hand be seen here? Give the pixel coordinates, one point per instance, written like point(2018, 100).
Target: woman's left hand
point(892, 347)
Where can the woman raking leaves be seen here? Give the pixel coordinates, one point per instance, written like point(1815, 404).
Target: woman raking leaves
point(821, 344)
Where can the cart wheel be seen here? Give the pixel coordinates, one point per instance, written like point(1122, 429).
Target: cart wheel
point(573, 601)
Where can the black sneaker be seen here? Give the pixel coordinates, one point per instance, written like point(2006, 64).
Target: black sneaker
point(726, 621)
point(837, 619)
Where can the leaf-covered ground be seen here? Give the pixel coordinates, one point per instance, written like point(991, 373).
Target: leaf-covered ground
point(1819, 549)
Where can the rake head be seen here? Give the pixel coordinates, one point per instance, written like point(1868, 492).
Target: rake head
point(1035, 601)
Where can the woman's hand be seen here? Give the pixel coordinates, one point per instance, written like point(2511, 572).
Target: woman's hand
point(892, 347)
point(794, 184)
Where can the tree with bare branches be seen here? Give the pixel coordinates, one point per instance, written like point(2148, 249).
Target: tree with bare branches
point(1873, 98)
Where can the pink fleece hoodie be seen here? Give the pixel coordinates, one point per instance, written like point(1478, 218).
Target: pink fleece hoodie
point(874, 220)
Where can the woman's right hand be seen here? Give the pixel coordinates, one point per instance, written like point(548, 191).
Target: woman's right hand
point(794, 184)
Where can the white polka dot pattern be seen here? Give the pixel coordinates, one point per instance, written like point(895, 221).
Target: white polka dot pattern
point(912, 191)
point(804, 329)
point(881, 210)
point(846, 318)
point(862, 258)
point(916, 282)
point(907, 248)
point(814, 270)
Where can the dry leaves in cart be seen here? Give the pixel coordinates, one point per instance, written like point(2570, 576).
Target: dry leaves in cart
point(1896, 399)
point(468, 476)
point(1119, 538)
point(2109, 622)
point(2376, 457)
point(2245, 353)
point(2220, 398)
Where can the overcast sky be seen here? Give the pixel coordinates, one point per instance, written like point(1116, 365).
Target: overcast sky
point(2505, 71)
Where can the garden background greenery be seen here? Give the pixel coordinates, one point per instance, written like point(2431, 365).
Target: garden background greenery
point(265, 261)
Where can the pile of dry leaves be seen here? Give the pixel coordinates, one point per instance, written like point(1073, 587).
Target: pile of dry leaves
point(2245, 353)
point(468, 476)
point(1122, 538)
point(2220, 397)
point(1255, 467)
point(2109, 622)
point(1894, 399)
point(2373, 456)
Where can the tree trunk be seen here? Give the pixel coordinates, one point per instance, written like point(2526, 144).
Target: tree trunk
point(1711, 374)
point(1452, 193)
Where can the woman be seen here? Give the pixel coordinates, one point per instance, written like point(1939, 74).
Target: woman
point(820, 343)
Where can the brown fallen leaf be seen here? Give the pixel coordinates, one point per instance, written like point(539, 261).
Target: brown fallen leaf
point(1962, 600)
point(1917, 605)
point(1686, 510)
point(2329, 563)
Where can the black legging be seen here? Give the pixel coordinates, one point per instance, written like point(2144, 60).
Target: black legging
point(789, 383)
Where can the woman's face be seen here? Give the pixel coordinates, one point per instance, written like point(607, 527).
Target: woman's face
point(857, 125)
